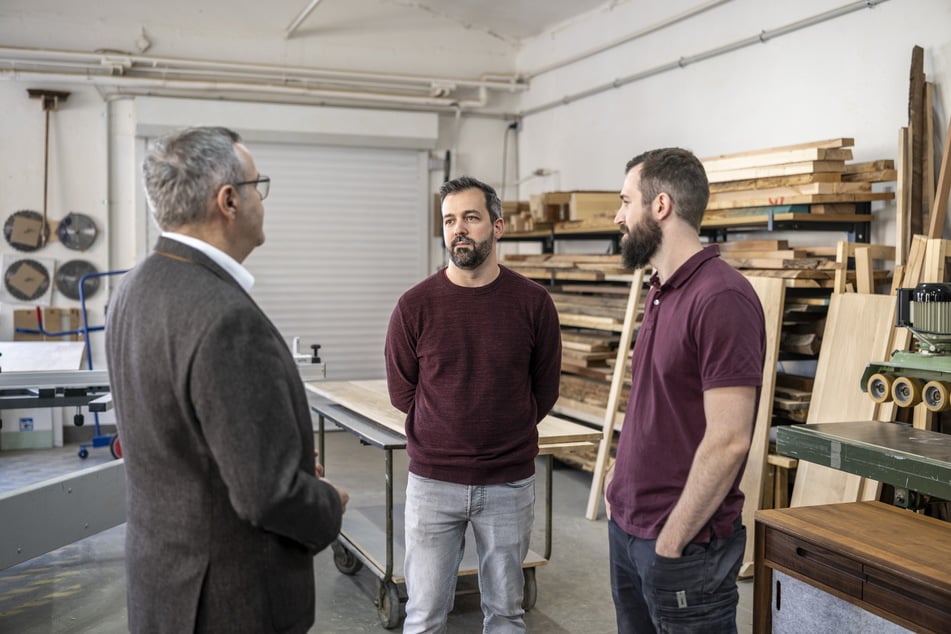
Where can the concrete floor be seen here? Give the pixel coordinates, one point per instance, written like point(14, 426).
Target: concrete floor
point(80, 587)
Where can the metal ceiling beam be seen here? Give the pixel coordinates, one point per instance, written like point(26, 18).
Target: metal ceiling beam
point(289, 31)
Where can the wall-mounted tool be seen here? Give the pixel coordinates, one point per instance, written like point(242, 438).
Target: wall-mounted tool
point(26, 280)
point(70, 273)
point(26, 230)
point(50, 101)
point(77, 231)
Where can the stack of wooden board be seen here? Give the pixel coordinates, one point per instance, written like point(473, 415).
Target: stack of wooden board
point(592, 320)
point(566, 212)
point(791, 399)
point(808, 178)
point(517, 216)
point(803, 324)
point(548, 267)
point(800, 267)
point(576, 205)
point(585, 397)
point(591, 294)
point(587, 352)
point(613, 407)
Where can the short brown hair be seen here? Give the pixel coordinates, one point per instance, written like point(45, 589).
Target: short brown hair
point(679, 174)
point(463, 183)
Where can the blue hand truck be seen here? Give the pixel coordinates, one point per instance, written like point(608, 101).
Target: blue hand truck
point(99, 439)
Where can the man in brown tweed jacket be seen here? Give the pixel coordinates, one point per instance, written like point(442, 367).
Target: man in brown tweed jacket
point(225, 506)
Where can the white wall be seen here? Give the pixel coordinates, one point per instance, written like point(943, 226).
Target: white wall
point(96, 148)
point(78, 179)
point(136, 119)
point(847, 77)
point(477, 146)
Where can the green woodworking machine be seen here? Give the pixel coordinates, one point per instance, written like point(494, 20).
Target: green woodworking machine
point(923, 374)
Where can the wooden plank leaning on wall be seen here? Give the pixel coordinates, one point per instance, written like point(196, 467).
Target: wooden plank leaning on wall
point(772, 295)
point(617, 382)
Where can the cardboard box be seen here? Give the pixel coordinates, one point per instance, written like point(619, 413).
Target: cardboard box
point(592, 205)
point(577, 205)
point(54, 320)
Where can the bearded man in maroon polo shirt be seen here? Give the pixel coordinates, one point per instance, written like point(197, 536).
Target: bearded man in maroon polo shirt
point(673, 496)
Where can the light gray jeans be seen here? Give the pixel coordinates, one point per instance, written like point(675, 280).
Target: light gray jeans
point(437, 514)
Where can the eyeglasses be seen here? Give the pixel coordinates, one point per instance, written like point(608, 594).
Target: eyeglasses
point(261, 183)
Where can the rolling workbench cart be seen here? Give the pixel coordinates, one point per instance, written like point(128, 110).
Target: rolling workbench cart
point(365, 535)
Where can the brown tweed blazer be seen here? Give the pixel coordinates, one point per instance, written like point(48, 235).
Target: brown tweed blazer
point(224, 510)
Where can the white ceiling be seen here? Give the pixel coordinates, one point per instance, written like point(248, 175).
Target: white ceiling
point(459, 39)
point(510, 19)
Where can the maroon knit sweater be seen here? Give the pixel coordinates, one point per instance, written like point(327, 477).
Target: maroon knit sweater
point(475, 370)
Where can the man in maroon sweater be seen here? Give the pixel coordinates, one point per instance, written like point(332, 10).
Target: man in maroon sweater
point(473, 357)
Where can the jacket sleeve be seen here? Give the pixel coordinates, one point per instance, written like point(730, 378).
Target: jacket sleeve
point(253, 413)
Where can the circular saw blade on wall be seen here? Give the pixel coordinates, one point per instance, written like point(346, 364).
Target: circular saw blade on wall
point(25, 230)
point(77, 231)
point(26, 280)
point(68, 276)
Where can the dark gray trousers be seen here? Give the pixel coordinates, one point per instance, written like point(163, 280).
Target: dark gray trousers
point(690, 594)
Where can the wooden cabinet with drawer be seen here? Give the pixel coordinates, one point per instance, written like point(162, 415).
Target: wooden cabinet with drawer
point(889, 561)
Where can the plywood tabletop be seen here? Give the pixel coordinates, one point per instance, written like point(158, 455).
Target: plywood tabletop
point(370, 398)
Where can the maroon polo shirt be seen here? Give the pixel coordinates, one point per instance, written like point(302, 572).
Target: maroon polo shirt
point(702, 329)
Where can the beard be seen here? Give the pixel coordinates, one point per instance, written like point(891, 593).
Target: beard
point(472, 257)
point(641, 243)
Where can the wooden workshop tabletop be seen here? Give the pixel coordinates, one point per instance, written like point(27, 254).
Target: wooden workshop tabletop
point(370, 399)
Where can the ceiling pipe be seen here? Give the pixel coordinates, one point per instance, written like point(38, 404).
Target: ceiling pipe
point(760, 38)
point(289, 31)
point(180, 87)
point(262, 78)
point(110, 70)
point(121, 62)
point(658, 26)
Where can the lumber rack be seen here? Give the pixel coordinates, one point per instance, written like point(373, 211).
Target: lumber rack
point(858, 226)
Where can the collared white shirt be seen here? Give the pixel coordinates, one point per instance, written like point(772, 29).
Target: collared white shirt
point(234, 268)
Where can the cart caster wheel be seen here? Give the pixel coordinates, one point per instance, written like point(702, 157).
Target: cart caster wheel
point(388, 605)
point(83, 453)
point(345, 560)
point(115, 447)
point(530, 590)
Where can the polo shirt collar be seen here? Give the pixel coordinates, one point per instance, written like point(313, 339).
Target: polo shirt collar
point(688, 268)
